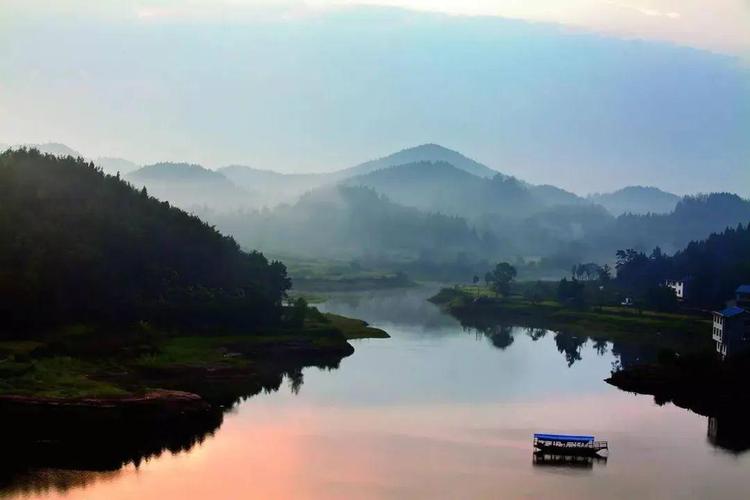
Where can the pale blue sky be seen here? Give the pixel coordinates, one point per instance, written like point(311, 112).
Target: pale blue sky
point(327, 88)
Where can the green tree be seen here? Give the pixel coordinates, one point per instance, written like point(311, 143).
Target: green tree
point(299, 312)
point(501, 278)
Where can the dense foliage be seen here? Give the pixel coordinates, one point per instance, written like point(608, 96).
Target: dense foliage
point(714, 267)
point(78, 245)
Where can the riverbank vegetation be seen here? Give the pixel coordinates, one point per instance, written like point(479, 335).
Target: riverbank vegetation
point(73, 363)
point(478, 306)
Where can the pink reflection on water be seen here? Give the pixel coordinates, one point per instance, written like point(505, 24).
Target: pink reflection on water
point(302, 450)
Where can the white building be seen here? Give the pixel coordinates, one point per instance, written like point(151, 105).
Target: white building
point(731, 330)
point(681, 287)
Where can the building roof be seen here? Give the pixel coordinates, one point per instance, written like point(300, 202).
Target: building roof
point(564, 438)
point(731, 311)
point(743, 289)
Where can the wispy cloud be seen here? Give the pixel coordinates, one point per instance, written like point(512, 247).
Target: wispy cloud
point(646, 11)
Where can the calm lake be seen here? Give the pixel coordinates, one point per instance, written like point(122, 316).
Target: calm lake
point(437, 411)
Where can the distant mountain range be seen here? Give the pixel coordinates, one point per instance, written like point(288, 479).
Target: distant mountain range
point(429, 176)
point(427, 203)
point(288, 187)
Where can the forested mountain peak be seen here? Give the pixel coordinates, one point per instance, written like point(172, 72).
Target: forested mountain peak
point(636, 200)
point(424, 152)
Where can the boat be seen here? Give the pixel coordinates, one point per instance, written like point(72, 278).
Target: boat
point(566, 444)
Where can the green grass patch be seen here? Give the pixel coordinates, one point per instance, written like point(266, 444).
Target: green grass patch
point(61, 377)
point(355, 328)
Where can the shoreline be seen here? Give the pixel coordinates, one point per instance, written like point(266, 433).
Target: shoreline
point(190, 377)
point(681, 333)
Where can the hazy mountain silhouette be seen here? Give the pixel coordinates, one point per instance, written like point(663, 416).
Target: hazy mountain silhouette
point(423, 153)
point(113, 165)
point(444, 188)
point(52, 148)
point(189, 186)
point(550, 195)
point(694, 218)
point(636, 200)
point(270, 187)
point(351, 222)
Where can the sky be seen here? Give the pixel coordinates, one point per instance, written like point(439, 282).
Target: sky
point(589, 95)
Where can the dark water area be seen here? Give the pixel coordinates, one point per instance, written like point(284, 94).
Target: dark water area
point(437, 411)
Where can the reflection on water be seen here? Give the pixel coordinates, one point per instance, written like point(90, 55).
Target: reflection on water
point(60, 462)
point(730, 433)
point(439, 410)
point(567, 461)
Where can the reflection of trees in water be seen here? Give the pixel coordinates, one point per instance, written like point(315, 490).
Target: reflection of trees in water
point(45, 452)
point(600, 346)
point(501, 336)
point(44, 481)
point(536, 333)
point(94, 452)
point(296, 379)
point(631, 353)
point(730, 433)
point(570, 346)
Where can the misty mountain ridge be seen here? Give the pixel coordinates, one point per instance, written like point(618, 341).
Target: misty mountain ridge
point(190, 186)
point(636, 200)
point(351, 222)
point(432, 184)
point(51, 148)
point(423, 153)
point(110, 165)
point(442, 187)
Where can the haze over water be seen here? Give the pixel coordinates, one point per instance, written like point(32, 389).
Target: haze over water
point(435, 411)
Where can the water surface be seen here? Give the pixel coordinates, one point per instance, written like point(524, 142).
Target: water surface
point(437, 411)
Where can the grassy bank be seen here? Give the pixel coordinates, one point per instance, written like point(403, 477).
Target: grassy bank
point(72, 363)
point(681, 332)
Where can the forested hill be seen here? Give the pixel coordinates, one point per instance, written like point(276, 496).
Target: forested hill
point(694, 218)
point(715, 266)
point(79, 245)
point(636, 200)
point(354, 222)
point(423, 153)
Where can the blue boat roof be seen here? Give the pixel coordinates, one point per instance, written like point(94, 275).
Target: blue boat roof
point(567, 438)
point(731, 311)
point(743, 289)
